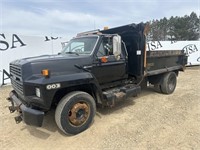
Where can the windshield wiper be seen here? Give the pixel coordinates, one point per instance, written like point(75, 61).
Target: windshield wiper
point(72, 53)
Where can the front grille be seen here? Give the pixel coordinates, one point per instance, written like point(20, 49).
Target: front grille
point(15, 70)
point(16, 78)
point(17, 85)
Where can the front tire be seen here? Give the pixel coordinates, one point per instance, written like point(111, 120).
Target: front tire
point(75, 112)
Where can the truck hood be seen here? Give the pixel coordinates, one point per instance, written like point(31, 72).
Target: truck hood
point(44, 58)
point(56, 64)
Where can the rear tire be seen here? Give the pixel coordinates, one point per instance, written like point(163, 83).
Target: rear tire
point(168, 83)
point(75, 112)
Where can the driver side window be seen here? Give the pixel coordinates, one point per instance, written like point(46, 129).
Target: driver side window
point(106, 48)
point(101, 52)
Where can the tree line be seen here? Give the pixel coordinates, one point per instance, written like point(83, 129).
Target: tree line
point(175, 28)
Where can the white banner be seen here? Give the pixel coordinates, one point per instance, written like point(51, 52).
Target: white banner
point(13, 46)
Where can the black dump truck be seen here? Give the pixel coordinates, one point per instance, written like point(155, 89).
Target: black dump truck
point(96, 68)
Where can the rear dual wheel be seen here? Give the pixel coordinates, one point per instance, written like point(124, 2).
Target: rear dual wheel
point(167, 84)
point(75, 112)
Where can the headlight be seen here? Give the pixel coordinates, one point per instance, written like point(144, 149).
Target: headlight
point(37, 92)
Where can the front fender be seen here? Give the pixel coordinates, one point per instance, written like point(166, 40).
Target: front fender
point(64, 81)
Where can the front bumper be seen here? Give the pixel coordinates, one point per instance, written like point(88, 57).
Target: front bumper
point(28, 115)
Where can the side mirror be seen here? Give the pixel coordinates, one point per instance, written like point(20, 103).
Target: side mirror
point(117, 46)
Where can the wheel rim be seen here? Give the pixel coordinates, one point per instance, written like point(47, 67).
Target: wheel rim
point(79, 113)
point(171, 83)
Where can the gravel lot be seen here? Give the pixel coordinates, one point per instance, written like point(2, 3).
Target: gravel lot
point(149, 121)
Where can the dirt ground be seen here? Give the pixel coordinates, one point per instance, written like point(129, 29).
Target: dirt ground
point(149, 121)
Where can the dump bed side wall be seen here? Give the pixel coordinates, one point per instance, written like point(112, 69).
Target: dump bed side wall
point(164, 61)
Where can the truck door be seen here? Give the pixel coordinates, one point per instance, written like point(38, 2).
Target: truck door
point(106, 67)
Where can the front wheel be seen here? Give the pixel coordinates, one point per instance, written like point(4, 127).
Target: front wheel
point(75, 112)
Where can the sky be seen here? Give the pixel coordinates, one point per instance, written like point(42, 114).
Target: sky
point(66, 18)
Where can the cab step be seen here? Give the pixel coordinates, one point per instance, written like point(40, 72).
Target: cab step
point(120, 93)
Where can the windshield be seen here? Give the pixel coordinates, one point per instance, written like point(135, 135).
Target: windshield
point(83, 45)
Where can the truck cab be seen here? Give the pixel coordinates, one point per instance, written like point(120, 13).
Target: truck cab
point(94, 68)
point(104, 53)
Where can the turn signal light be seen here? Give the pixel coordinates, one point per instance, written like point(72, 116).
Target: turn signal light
point(104, 59)
point(45, 73)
